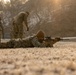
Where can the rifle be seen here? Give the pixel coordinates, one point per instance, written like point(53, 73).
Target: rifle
point(50, 41)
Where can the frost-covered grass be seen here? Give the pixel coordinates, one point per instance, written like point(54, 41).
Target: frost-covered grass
point(59, 60)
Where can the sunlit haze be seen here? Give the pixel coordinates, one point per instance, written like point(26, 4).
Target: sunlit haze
point(6, 1)
point(57, 1)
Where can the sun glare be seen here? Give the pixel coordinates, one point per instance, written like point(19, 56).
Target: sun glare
point(57, 1)
point(6, 1)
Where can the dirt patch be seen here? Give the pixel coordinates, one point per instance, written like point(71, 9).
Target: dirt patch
point(59, 60)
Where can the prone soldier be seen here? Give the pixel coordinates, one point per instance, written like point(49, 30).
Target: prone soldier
point(37, 40)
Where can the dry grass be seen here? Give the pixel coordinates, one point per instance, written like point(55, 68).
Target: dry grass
point(59, 60)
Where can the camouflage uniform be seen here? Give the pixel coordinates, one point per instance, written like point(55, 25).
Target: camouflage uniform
point(18, 25)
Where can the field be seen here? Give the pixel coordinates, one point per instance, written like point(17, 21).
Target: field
point(59, 60)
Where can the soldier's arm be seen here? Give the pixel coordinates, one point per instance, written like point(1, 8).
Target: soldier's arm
point(25, 22)
point(36, 43)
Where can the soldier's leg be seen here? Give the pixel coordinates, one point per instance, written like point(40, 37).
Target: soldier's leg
point(15, 32)
point(21, 31)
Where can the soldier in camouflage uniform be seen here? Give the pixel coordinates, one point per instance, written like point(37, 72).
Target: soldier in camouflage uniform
point(18, 22)
point(1, 30)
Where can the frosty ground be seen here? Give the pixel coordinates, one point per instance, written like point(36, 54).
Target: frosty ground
point(59, 60)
